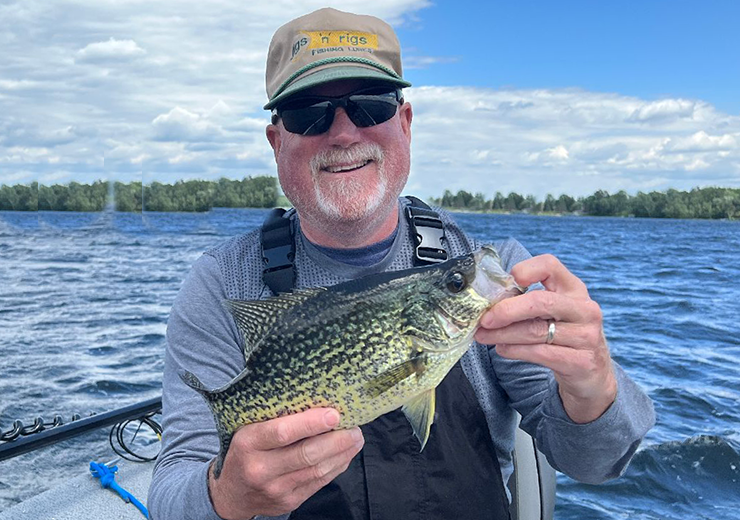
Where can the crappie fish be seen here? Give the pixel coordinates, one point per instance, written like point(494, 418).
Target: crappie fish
point(364, 347)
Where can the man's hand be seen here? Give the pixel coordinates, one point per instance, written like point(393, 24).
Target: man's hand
point(272, 467)
point(578, 353)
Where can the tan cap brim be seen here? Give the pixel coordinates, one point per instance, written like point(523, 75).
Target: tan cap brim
point(335, 73)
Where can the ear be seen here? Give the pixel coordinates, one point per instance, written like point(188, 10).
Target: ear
point(406, 114)
point(274, 136)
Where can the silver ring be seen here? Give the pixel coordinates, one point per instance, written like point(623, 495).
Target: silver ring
point(550, 332)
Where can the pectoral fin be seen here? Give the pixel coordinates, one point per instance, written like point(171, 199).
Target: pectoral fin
point(390, 378)
point(420, 413)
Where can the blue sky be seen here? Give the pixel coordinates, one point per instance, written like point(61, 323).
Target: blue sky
point(650, 49)
point(535, 97)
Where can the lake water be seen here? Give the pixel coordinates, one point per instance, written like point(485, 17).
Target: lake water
point(84, 300)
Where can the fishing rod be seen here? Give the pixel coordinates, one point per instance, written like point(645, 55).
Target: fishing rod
point(20, 439)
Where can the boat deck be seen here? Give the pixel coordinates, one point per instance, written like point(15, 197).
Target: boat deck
point(84, 497)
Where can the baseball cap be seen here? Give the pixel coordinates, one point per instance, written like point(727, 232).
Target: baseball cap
point(329, 45)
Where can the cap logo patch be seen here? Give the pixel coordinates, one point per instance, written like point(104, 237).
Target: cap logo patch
point(324, 41)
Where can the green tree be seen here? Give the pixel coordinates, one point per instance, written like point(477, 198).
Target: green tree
point(499, 201)
point(531, 203)
point(549, 204)
point(128, 196)
point(642, 205)
point(565, 204)
point(478, 202)
point(513, 202)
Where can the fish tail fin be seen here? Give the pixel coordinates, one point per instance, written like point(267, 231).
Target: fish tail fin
point(193, 382)
point(224, 433)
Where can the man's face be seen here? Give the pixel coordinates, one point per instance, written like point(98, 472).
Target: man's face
point(347, 173)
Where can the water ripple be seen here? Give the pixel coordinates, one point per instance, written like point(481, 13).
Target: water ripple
point(84, 300)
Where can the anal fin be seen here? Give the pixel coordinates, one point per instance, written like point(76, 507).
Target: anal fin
point(420, 413)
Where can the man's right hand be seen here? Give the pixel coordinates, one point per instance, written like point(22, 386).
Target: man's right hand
point(272, 467)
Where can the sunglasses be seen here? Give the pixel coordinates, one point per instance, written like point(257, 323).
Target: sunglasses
point(313, 115)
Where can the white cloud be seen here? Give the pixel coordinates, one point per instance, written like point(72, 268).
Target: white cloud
point(180, 125)
point(17, 177)
point(110, 50)
point(665, 109)
point(88, 78)
point(16, 85)
point(567, 141)
point(703, 142)
point(558, 153)
point(167, 90)
point(15, 134)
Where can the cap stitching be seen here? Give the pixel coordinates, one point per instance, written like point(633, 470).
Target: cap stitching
point(325, 61)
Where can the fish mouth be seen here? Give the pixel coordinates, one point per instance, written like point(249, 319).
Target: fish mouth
point(491, 280)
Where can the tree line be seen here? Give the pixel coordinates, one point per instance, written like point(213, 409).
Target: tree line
point(196, 195)
point(262, 192)
point(705, 203)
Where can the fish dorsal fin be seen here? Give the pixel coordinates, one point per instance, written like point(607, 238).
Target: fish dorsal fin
point(391, 377)
point(255, 318)
point(420, 413)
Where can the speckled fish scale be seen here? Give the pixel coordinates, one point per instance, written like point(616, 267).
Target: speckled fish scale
point(364, 347)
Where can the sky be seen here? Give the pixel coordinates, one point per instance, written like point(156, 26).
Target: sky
point(533, 97)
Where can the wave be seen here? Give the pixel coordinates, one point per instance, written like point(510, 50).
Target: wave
point(701, 468)
point(703, 457)
point(697, 478)
point(115, 387)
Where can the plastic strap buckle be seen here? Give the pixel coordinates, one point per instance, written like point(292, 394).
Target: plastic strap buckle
point(278, 252)
point(429, 235)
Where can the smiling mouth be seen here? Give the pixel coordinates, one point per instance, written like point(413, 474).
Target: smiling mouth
point(348, 167)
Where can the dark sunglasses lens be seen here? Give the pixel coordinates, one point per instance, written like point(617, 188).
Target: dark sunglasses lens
point(308, 120)
point(370, 110)
point(313, 116)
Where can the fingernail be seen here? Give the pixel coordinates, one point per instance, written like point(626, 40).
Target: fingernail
point(357, 437)
point(485, 320)
point(331, 418)
point(489, 321)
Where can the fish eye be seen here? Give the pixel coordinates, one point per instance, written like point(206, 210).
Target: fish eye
point(455, 282)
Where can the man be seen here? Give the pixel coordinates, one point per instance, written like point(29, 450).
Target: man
point(341, 135)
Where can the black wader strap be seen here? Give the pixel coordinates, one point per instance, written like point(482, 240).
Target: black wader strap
point(278, 246)
point(278, 252)
point(427, 232)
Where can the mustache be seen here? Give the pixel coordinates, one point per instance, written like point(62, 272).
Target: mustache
point(360, 152)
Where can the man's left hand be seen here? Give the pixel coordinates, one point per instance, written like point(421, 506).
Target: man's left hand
point(578, 354)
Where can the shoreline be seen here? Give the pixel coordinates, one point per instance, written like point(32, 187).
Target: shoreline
point(448, 209)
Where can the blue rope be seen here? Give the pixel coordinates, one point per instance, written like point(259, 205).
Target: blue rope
point(107, 478)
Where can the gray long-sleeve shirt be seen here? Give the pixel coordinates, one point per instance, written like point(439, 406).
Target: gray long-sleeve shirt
point(203, 338)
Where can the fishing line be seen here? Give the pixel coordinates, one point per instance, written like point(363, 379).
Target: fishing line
point(123, 448)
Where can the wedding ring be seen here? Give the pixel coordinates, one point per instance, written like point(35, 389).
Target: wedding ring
point(550, 332)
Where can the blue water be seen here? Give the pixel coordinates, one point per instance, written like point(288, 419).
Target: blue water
point(84, 301)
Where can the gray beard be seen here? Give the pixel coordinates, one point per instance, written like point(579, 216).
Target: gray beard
point(347, 197)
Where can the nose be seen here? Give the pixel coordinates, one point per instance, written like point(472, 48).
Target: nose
point(343, 132)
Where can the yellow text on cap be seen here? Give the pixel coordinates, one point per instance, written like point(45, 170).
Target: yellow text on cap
point(319, 39)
